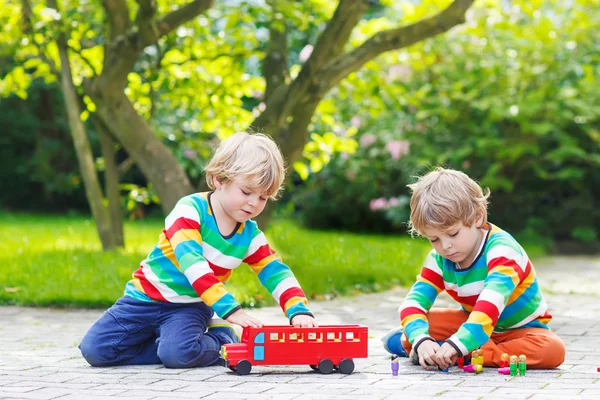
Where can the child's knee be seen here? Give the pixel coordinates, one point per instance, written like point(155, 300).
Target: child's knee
point(93, 352)
point(556, 351)
point(182, 355)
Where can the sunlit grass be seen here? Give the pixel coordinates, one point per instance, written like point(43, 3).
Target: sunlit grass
point(57, 260)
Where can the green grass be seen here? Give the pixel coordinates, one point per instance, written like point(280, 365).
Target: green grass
point(57, 260)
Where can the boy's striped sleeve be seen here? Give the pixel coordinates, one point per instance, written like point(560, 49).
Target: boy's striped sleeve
point(420, 298)
point(507, 267)
point(276, 277)
point(182, 230)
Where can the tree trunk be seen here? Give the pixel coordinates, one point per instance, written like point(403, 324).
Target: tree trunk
point(83, 149)
point(156, 161)
point(111, 177)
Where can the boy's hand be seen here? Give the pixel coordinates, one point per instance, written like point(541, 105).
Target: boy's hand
point(242, 319)
point(446, 356)
point(304, 321)
point(427, 351)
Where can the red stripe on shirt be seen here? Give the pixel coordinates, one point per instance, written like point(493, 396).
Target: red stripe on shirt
point(468, 300)
point(433, 277)
point(204, 283)
point(260, 254)
point(149, 289)
point(509, 262)
point(488, 308)
point(410, 311)
point(181, 223)
point(219, 271)
point(288, 294)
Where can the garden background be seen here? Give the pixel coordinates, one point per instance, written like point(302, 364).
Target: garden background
point(109, 111)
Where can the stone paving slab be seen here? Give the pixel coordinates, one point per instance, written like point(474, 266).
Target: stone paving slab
point(39, 358)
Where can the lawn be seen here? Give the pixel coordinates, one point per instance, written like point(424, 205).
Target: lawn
point(56, 260)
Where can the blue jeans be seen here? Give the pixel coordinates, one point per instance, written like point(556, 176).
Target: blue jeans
point(134, 332)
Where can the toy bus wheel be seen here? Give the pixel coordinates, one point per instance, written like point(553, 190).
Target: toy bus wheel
point(346, 366)
point(325, 366)
point(243, 367)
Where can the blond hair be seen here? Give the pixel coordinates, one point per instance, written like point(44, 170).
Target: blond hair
point(444, 197)
point(252, 158)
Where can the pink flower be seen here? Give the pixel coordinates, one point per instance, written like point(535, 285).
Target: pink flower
point(393, 202)
point(397, 148)
point(189, 154)
point(305, 52)
point(378, 204)
point(355, 121)
point(367, 139)
point(400, 72)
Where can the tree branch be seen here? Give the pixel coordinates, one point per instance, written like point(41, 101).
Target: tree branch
point(173, 20)
point(144, 20)
point(332, 40)
point(393, 39)
point(275, 68)
point(331, 43)
point(123, 52)
point(117, 13)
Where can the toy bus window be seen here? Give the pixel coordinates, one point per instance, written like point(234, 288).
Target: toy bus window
point(334, 336)
point(314, 336)
point(273, 336)
point(260, 338)
point(350, 337)
point(296, 337)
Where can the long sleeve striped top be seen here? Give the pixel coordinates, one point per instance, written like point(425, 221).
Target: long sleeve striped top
point(192, 261)
point(500, 291)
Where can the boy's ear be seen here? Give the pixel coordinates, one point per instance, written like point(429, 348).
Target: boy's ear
point(480, 218)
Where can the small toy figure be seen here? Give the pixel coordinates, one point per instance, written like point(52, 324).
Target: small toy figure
point(477, 357)
point(522, 364)
point(504, 360)
point(460, 362)
point(513, 366)
point(443, 369)
point(504, 370)
point(474, 368)
point(395, 358)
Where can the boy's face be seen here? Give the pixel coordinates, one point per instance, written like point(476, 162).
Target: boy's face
point(458, 243)
point(238, 201)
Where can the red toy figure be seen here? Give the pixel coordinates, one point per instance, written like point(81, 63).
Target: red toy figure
point(323, 348)
point(461, 362)
point(504, 360)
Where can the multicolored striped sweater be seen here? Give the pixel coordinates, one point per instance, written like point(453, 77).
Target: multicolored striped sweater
point(192, 262)
point(500, 291)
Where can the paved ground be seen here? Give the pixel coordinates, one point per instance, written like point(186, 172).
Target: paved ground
point(39, 358)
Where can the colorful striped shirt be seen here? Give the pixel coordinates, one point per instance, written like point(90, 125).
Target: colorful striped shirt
point(192, 262)
point(499, 290)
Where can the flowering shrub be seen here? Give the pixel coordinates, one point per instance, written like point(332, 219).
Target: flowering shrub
point(363, 191)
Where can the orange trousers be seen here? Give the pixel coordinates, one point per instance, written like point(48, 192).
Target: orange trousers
point(543, 348)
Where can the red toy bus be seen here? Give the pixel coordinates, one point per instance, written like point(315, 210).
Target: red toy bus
point(324, 348)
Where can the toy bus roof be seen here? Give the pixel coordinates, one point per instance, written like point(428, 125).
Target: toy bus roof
point(321, 328)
